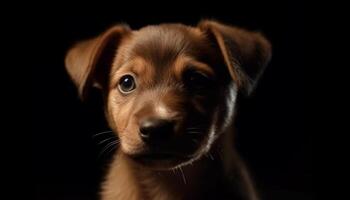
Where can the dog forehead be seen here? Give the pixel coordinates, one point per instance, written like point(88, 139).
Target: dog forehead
point(162, 44)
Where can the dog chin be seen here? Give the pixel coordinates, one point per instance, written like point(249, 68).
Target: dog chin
point(161, 161)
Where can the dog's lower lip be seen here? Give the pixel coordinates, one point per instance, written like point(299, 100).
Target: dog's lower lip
point(157, 156)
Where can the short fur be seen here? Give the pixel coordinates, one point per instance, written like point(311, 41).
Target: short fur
point(200, 160)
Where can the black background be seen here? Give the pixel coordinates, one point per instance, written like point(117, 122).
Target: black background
point(271, 124)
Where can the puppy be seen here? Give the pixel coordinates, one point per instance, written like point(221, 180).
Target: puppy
point(169, 92)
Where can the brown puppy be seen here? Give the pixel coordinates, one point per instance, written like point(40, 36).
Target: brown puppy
point(169, 93)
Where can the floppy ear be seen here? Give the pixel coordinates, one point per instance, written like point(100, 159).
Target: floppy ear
point(245, 53)
point(88, 62)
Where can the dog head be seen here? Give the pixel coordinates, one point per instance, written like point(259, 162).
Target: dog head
point(169, 89)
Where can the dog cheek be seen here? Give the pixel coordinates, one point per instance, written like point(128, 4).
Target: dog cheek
point(121, 116)
point(223, 114)
point(117, 112)
point(229, 106)
point(129, 146)
point(126, 126)
point(203, 105)
point(130, 141)
point(174, 101)
point(198, 105)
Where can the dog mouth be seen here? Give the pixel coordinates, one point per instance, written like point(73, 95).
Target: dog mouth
point(169, 154)
point(158, 156)
point(160, 161)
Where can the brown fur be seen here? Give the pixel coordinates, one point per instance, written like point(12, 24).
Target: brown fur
point(200, 164)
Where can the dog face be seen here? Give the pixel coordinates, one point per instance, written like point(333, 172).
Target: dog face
point(160, 97)
point(169, 89)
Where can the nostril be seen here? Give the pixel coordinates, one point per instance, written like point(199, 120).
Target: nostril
point(146, 128)
point(156, 129)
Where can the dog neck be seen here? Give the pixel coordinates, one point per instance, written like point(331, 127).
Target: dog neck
point(202, 178)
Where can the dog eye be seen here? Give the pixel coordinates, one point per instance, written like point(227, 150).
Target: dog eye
point(126, 84)
point(196, 80)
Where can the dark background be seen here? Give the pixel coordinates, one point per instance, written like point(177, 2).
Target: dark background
point(271, 124)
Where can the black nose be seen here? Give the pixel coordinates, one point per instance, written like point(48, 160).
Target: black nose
point(156, 130)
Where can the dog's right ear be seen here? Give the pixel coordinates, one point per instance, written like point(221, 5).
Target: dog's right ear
point(88, 62)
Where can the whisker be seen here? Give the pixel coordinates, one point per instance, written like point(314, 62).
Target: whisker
point(95, 135)
point(193, 128)
point(111, 144)
point(194, 132)
point(183, 175)
point(197, 127)
point(105, 140)
point(112, 149)
point(195, 141)
point(106, 148)
point(211, 156)
point(220, 156)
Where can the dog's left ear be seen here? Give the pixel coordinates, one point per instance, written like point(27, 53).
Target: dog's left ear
point(244, 52)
